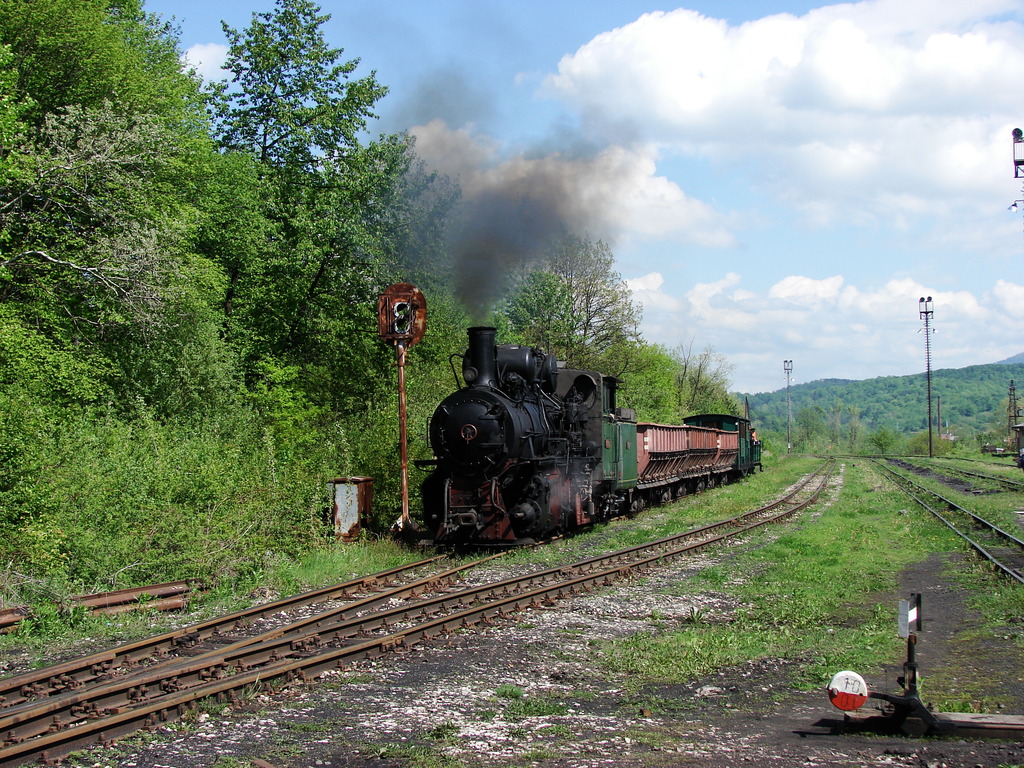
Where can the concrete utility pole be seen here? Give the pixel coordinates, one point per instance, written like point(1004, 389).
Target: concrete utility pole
point(787, 366)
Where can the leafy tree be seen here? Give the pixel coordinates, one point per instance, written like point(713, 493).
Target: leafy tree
point(605, 317)
point(540, 313)
point(291, 100)
point(853, 427)
point(917, 444)
point(884, 440)
point(88, 52)
point(302, 288)
point(809, 430)
point(652, 386)
point(73, 221)
point(703, 382)
point(422, 211)
point(578, 307)
point(973, 400)
point(96, 184)
point(11, 107)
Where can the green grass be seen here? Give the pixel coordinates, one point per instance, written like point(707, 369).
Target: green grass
point(520, 709)
point(415, 756)
point(824, 593)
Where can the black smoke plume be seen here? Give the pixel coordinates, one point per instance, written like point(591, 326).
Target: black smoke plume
point(512, 211)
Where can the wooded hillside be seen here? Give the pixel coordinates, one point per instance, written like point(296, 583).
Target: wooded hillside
point(973, 402)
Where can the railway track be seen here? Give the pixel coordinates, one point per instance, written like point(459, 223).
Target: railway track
point(50, 717)
point(1002, 482)
point(1004, 550)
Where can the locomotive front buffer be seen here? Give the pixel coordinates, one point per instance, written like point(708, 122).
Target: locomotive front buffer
point(906, 712)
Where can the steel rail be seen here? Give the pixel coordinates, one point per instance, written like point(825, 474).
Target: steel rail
point(74, 673)
point(982, 522)
point(32, 718)
point(909, 486)
point(22, 720)
point(1013, 485)
point(30, 740)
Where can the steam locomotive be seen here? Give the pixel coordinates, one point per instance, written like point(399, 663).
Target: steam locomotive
point(528, 449)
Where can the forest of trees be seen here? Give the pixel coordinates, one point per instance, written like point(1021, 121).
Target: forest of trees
point(188, 285)
point(890, 414)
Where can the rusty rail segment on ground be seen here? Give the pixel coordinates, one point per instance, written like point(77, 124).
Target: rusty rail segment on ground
point(335, 638)
point(170, 596)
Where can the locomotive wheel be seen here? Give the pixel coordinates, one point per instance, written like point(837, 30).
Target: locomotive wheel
point(666, 495)
point(711, 482)
point(701, 485)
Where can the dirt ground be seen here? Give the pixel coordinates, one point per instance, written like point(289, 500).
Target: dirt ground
point(526, 693)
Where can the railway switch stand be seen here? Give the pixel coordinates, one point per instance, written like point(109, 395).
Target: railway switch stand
point(907, 712)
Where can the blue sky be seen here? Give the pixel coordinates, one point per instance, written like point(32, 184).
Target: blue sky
point(777, 180)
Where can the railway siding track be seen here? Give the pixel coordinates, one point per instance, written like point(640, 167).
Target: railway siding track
point(1004, 483)
point(335, 638)
point(1004, 550)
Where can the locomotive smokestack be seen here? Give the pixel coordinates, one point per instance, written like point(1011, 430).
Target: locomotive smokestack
point(479, 367)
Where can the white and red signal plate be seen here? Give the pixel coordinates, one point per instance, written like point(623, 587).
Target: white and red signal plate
point(847, 691)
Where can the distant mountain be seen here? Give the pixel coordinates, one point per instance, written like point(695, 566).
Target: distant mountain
point(971, 400)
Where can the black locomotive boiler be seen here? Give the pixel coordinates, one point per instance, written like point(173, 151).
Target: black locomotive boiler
point(527, 449)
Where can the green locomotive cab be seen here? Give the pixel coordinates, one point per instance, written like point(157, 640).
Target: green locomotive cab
point(609, 434)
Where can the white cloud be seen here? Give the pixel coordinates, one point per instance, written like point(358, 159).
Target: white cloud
point(709, 304)
point(647, 290)
point(841, 110)
point(804, 291)
point(207, 60)
point(832, 329)
point(1010, 297)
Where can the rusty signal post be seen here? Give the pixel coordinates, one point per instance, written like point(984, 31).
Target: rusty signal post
point(402, 321)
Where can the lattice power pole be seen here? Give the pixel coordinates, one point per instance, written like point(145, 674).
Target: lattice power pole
point(1011, 409)
point(925, 309)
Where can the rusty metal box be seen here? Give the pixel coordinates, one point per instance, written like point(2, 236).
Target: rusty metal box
point(351, 501)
